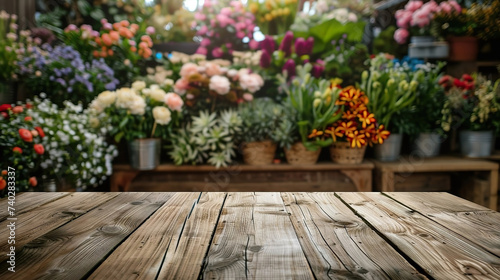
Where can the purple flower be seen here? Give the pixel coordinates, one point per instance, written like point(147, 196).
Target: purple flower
point(217, 52)
point(268, 44)
point(265, 59)
point(300, 47)
point(289, 67)
point(286, 43)
point(309, 45)
point(317, 71)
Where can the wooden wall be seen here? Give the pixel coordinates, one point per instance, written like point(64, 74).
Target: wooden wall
point(24, 9)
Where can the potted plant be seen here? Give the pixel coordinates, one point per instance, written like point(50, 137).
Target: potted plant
point(142, 116)
point(389, 90)
point(312, 102)
point(356, 129)
point(21, 149)
point(261, 119)
point(422, 120)
point(207, 138)
point(472, 106)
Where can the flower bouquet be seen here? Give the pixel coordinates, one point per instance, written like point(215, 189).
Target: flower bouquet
point(313, 103)
point(224, 29)
point(356, 129)
point(208, 85)
point(21, 149)
point(142, 116)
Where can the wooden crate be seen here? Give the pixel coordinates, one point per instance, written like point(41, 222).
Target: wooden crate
point(277, 177)
point(474, 180)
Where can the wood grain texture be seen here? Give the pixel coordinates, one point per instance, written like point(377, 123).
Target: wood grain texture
point(338, 244)
point(441, 253)
point(25, 202)
point(74, 249)
point(185, 259)
point(255, 240)
point(438, 164)
point(478, 224)
point(141, 255)
point(33, 224)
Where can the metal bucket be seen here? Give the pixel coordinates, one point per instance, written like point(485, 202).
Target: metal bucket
point(476, 143)
point(390, 150)
point(427, 144)
point(144, 153)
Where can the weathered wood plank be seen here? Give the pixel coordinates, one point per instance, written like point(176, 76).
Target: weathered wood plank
point(185, 259)
point(141, 255)
point(27, 201)
point(74, 249)
point(33, 224)
point(476, 223)
point(255, 240)
point(441, 253)
point(337, 243)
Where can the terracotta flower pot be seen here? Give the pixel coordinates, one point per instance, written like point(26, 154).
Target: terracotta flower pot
point(463, 48)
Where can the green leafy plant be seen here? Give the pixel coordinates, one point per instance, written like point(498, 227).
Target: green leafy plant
point(208, 138)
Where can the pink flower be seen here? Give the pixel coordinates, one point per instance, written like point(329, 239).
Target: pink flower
point(445, 7)
point(181, 86)
point(203, 30)
point(107, 26)
point(251, 82)
point(219, 84)
point(104, 20)
point(223, 20)
point(217, 52)
point(401, 35)
point(420, 18)
point(455, 6)
point(226, 11)
point(202, 50)
point(237, 5)
point(205, 42)
point(240, 34)
point(188, 69)
point(253, 44)
point(200, 16)
point(150, 30)
point(404, 19)
point(212, 69)
point(174, 101)
point(413, 6)
point(248, 97)
point(70, 27)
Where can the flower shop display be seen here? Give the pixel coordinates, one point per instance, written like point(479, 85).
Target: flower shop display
point(261, 119)
point(389, 90)
point(274, 17)
point(313, 102)
point(356, 129)
point(142, 116)
point(472, 106)
point(76, 153)
point(21, 149)
point(208, 138)
point(208, 85)
point(63, 75)
point(224, 28)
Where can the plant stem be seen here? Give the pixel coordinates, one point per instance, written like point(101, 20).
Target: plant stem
point(153, 132)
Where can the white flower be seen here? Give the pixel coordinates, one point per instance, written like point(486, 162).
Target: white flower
point(219, 84)
point(232, 72)
point(125, 97)
point(106, 98)
point(251, 82)
point(158, 94)
point(162, 115)
point(138, 85)
point(138, 106)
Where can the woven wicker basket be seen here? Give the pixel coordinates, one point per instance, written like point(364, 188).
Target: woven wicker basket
point(341, 152)
point(259, 153)
point(298, 154)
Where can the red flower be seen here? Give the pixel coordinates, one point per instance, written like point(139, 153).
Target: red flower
point(467, 78)
point(17, 109)
point(372, 56)
point(4, 115)
point(3, 183)
point(5, 107)
point(39, 149)
point(25, 135)
point(29, 106)
point(4, 172)
point(40, 131)
point(458, 83)
point(17, 150)
point(444, 80)
point(33, 182)
point(28, 118)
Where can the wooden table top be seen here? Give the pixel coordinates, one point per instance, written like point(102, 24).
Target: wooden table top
point(250, 236)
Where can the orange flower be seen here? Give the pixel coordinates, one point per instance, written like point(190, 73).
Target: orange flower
point(366, 118)
point(380, 135)
point(33, 182)
point(3, 183)
point(356, 139)
point(17, 109)
point(315, 133)
point(347, 115)
point(331, 131)
point(346, 127)
point(17, 150)
point(40, 131)
point(4, 173)
point(28, 118)
point(25, 135)
point(39, 149)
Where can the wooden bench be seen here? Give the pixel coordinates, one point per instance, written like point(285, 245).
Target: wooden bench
point(473, 179)
point(239, 177)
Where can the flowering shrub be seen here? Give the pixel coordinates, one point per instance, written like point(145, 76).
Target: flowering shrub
point(21, 147)
point(274, 17)
point(357, 125)
point(472, 103)
point(313, 103)
point(62, 73)
point(137, 112)
point(209, 85)
point(416, 17)
point(224, 28)
point(74, 150)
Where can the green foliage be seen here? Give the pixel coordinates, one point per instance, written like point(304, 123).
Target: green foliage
point(380, 44)
point(346, 60)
